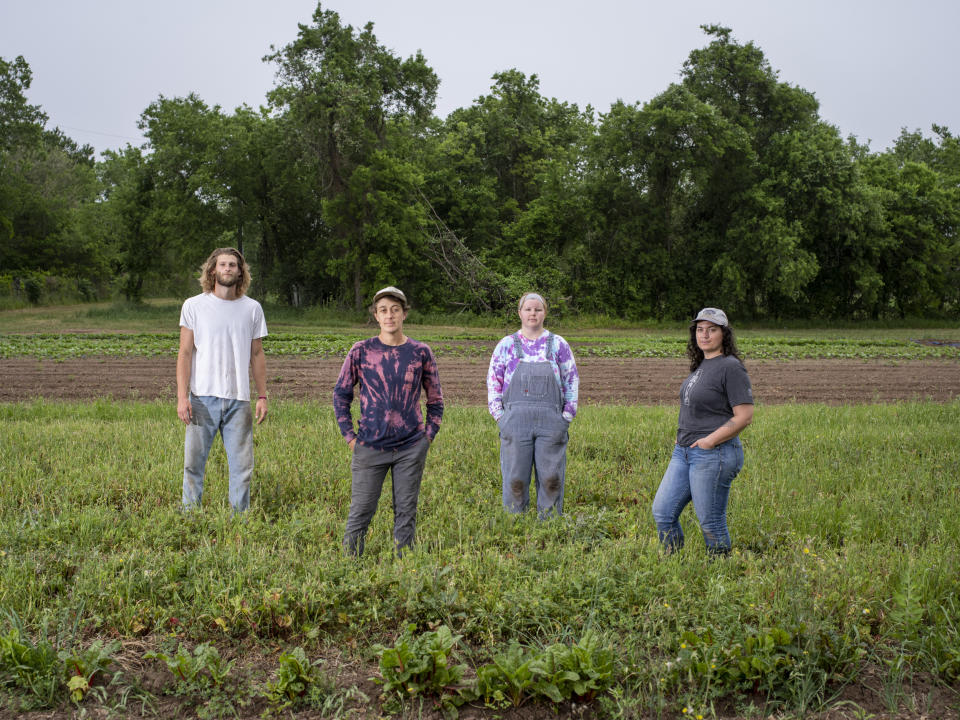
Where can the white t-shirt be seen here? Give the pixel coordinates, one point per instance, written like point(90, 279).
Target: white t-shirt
point(222, 333)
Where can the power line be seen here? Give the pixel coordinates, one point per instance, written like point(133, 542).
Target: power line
point(95, 132)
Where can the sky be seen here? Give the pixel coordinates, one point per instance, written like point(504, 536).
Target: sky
point(875, 66)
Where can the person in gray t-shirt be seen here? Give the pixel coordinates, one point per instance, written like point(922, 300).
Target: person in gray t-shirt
point(716, 404)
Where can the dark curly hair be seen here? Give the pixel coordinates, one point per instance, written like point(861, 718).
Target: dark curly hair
point(696, 354)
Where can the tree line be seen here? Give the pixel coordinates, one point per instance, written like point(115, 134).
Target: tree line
point(725, 189)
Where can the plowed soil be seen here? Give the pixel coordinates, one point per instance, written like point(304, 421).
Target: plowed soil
point(604, 381)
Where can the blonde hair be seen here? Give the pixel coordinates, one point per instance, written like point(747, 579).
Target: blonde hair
point(536, 296)
point(208, 271)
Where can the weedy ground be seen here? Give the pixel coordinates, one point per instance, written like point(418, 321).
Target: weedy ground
point(846, 525)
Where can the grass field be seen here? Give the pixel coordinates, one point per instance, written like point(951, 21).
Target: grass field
point(841, 595)
point(846, 523)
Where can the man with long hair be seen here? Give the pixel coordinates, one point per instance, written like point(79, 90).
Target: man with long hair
point(221, 333)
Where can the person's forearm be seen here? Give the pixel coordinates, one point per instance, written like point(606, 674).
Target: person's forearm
point(184, 362)
point(742, 416)
point(259, 364)
point(729, 429)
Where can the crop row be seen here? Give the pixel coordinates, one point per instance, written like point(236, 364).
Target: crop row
point(62, 346)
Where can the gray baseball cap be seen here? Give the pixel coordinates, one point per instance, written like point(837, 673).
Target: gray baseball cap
point(392, 292)
point(714, 315)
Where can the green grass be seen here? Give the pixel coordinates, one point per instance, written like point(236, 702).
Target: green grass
point(150, 329)
point(161, 315)
point(453, 343)
point(845, 521)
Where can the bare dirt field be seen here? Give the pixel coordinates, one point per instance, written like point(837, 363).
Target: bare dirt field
point(604, 381)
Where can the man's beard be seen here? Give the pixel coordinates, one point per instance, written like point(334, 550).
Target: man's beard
point(227, 281)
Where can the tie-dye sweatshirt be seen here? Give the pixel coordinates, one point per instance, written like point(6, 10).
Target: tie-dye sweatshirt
point(504, 362)
point(390, 379)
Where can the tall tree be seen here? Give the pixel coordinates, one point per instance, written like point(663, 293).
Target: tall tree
point(130, 200)
point(47, 190)
point(20, 122)
point(920, 265)
point(505, 175)
point(343, 96)
point(652, 182)
point(186, 141)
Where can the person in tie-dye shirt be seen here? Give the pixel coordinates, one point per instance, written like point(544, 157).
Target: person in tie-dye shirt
point(391, 369)
point(532, 388)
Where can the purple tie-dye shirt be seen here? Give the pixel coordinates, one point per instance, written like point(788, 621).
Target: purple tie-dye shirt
point(504, 361)
point(390, 379)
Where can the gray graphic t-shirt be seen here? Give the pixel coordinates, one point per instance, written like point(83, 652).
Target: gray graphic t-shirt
point(708, 395)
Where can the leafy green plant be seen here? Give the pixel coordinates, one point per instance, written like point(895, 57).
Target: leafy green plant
point(32, 667)
point(201, 670)
point(508, 680)
point(299, 682)
point(82, 666)
point(759, 662)
point(202, 674)
point(42, 672)
point(906, 614)
point(557, 673)
point(945, 642)
point(579, 671)
point(421, 665)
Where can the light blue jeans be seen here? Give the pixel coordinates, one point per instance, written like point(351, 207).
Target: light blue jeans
point(705, 477)
point(234, 421)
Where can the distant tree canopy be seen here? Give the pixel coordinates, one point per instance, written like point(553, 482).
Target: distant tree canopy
point(725, 189)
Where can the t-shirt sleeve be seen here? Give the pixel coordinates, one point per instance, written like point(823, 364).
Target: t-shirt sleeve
point(570, 378)
point(431, 384)
point(496, 375)
point(259, 328)
point(739, 390)
point(187, 318)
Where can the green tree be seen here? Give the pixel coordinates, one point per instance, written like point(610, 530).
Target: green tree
point(651, 183)
point(920, 265)
point(20, 122)
point(48, 190)
point(344, 98)
point(504, 174)
point(129, 200)
point(186, 141)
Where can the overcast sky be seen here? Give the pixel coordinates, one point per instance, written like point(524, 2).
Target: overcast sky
point(875, 65)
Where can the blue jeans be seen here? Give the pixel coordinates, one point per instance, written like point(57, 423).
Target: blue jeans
point(235, 422)
point(704, 476)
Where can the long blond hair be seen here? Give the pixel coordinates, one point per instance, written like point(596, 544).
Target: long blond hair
point(209, 269)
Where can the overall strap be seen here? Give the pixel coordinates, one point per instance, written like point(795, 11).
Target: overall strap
point(517, 346)
point(550, 346)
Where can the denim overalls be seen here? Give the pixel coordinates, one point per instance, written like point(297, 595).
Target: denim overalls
point(533, 435)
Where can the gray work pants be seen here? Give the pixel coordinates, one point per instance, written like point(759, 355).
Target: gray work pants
point(369, 468)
